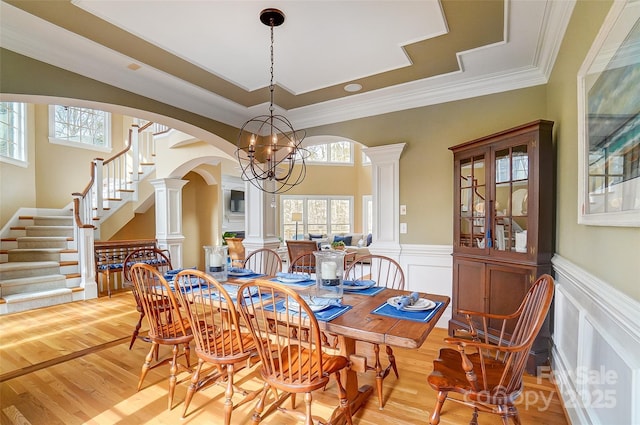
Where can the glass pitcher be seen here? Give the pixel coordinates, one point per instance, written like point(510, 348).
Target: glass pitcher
point(329, 273)
point(215, 259)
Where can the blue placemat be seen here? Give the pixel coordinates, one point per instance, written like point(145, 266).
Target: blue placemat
point(326, 315)
point(369, 291)
point(196, 283)
point(255, 297)
point(302, 283)
point(416, 316)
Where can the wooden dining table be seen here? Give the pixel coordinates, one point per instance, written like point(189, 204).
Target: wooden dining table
point(360, 324)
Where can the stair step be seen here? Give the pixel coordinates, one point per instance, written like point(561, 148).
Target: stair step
point(32, 300)
point(53, 220)
point(32, 284)
point(42, 242)
point(15, 270)
point(50, 231)
point(34, 254)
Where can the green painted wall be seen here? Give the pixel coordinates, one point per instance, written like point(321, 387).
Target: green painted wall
point(610, 253)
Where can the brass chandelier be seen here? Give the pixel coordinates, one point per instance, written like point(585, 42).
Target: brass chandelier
point(269, 150)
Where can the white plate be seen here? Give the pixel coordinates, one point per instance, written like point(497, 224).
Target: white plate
point(369, 284)
point(294, 306)
point(240, 272)
point(291, 280)
point(420, 305)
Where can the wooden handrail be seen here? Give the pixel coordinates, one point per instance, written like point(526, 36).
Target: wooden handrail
point(123, 151)
point(116, 170)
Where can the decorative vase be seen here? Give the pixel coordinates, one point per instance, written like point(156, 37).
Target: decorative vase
point(216, 259)
point(329, 273)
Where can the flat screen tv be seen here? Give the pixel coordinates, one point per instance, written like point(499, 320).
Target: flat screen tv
point(236, 203)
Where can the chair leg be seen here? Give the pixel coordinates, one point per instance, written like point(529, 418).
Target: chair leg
point(293, 401)
point(193, 387)
point(514, 415)
point(187, 354)
point(380, 375)
point(173, 370)
point(474, 418)
point(257, 411)
point(344, 402)
point(136, 330)
point(435, 416)
point(308, 420)
point(379, 381)
point(147, 363)
point(228, 403)
point(392, 360)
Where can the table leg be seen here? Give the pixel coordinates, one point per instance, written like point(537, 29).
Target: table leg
point(357, 396)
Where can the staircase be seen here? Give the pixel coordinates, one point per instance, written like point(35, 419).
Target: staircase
point(39, 264)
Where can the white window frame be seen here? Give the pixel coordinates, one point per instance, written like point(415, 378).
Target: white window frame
point(83, 145)
point(350, 162)
point(303, 229)
point(18, 136)
point(367, 215)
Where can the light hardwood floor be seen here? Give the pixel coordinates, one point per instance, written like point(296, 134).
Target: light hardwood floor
point(70, 364)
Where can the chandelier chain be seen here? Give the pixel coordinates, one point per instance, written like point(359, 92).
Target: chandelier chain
point(271, 86)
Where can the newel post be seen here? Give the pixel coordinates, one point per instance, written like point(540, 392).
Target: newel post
point(85, 245)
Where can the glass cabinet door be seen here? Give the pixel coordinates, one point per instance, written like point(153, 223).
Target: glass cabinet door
point(472, 202)
point(509, 222)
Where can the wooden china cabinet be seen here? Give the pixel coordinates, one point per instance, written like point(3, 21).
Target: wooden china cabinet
point(503, 224)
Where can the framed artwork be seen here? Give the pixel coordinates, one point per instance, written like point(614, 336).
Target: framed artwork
point(609, 122)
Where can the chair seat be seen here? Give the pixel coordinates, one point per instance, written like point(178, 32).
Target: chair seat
point(228, 349)
point(173, 329)
point(448, 375)
point(292, 359)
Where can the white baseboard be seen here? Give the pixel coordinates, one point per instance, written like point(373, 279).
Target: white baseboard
point(429, 268)
point(596, 348)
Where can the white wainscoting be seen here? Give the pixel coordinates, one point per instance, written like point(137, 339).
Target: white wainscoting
point(429, 268)
point(596, 348)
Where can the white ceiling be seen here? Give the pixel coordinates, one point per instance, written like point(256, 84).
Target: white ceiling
point(321, 44)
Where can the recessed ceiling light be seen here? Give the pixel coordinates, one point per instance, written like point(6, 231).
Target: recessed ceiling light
point(134, 66)
point(352, 87)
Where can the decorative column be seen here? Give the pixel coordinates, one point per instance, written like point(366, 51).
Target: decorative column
point(260, 219)
point(385, 196)
point(169, 217)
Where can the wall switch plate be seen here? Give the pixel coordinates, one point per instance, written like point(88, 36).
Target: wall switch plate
point(403, 210)
point(403, 227)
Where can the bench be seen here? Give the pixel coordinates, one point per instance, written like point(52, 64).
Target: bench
point(110, 256)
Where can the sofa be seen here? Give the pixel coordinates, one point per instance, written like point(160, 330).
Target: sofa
point(354, 242)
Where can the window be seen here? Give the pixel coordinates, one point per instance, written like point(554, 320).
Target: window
point(331, 153)
point(13, 142)
point(321, 215)
point(83, 126)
